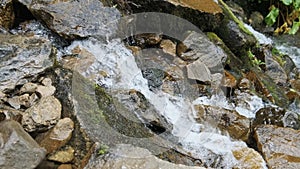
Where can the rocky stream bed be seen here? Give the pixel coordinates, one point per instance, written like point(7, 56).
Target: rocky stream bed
point(141, 84)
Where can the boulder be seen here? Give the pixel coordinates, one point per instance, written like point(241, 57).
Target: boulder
point(279, 146)
point(70, 21)
point(43, 115)
point(22, 59)
point(17, 148)
point(128, 156)
point(198, 71)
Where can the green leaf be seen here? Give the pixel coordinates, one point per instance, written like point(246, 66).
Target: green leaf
point(294, 28)
point(272, 16)
point(296, 4)
point(287, 2)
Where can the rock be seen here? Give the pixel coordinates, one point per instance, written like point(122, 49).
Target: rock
point(65, 166)
point(234, 37)
point(168, 47)
point(46, 81)
point(135, 50)
point(10, 113)
point(208, 12)
point(23, 100)
point(58, 136)
point(63, 156)
point(273, 69)
point(248, 158)
point(2, 95)
point(291, 119)
point(198, 71)
point(28, 88)
point(128, 156)
point(229, 80)
point(69, 21)
point(154, 76)
point(18, 149)
point(279, 146)
point(269, 115)
point(230, 121)
point(199, 46)
point(42, 115)
point(244, 84)
point(6, 14)
point(44, 91)
point(147, 39)
point(22, 59)
point(256, 20)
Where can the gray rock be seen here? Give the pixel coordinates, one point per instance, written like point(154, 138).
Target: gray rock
point(46, 82)
point(128, 156)
point(45, 91)
point(71, 19)
point(21, 58)
point(201, 47)
point(42, 115)
point(17, 148)
point(28, 88)
point(58, 136)
point(198, 71)
point(18, 101)
point(279, 146)
point(6, 14)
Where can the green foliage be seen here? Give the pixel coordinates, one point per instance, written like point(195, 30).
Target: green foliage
point(103, 149)
point(272, 16)
point(254, 61)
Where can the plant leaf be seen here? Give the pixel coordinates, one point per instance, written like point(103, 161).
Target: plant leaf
point(294, 28)
point(287, 2)
point(272, 16)
point(296, 4)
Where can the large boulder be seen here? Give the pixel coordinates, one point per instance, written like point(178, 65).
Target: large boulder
point(72, 19)
point(17, 148)
point(279, 146)
point(128, 156)
point(22, 58)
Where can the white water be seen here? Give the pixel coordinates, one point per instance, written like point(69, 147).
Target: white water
point(123, 73)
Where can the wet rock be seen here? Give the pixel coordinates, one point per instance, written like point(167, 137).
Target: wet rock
point(63, 156)
point(269, 115)
point(244, 84)
point(237, 10)
point(135, 50)
point(132, 157)
point(28, 88)
point(69, 21)
point(234, 37)
point(273, 69)
point(147, 39)
point(58, 136)
point(199, 46)
point(291, 119)
point(42, 115)
point(230, 121)
point(22, 58)
point(208, 13)
point(6, 14)
point(279, 146)
point(44, 91)
point(198, 71)
point(249, 158)
point(18, 149)
point(168, 47)
point(154, 76)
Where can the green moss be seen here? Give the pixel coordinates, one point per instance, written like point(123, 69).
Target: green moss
point(229, 13)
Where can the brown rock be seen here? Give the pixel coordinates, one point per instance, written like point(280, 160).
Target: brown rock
point(279, 146)
point(42, 115)
point(65, 166)
point(18, 101)
point(63, 156)
point(229, 80)
point(248, 158)
point(135, 50)
point(208, 6)
point(168, 47)
point(6, 14)
point(58, 136)
point(229, 121)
